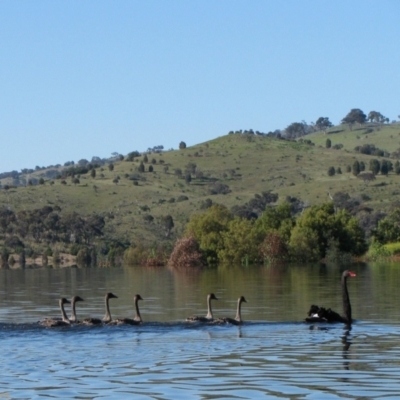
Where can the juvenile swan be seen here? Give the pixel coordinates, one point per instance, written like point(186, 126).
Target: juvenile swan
point(52, 322)
point(238, 319)
point(107, 316)
point(73, 318)
point(209, 317)
point(129, 321)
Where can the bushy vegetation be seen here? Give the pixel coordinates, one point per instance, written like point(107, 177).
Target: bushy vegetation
point(276, 235)
point(106, 204)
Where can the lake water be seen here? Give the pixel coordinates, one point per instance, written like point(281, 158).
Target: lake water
point(273, 355)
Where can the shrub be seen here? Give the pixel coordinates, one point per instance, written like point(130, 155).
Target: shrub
point(186, 254)
point(219, 188)
point(182, 197)
point(273, 248)
point(148, 218)
point(392, 248)
point(331, 171)
point(83, 257)
point(136, 255)
point(56, 258)
point(377, 250)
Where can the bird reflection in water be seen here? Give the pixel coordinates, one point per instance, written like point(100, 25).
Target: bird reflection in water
point(346, 346)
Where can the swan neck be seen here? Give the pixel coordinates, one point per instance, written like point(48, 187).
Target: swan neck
point(107, 316)
point(73, 312)
point(238, 311)
point(138, 317)
point(63, 313)
point(209, 309)
point(346, 300)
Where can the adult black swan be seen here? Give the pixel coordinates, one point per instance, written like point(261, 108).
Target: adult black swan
point(321, 314)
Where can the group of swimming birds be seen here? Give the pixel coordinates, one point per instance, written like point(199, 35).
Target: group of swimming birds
point(315, 314)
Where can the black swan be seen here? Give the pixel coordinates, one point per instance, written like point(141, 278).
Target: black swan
point(53, 322)
point(238, 319)
point(129, 321)
point(321, 314)
point(107, 316)
point(209, 317)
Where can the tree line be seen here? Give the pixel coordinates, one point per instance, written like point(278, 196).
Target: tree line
point(218, 236)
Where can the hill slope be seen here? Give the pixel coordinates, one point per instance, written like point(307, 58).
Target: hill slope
point(246, 164)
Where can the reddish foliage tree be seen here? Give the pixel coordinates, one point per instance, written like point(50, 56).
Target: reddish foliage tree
point(186, 254)
point(273, 248)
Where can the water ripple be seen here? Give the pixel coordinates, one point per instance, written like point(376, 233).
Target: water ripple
point(172, 361)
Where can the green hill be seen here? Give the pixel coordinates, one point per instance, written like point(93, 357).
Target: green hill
point(133, 203)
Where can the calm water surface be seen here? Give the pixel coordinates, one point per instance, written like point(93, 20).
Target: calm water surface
point(273, 355)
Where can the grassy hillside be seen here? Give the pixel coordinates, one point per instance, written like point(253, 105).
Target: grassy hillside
point(246, 164)
point(386, 137)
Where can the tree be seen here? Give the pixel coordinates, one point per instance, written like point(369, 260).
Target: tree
point(277, 219)
point(5, 254)
point(397, 167)
point(22, 259)
point(274, 248)
point(323, 124)
point(182, 145)
point(356, 168)
point(188, 178)
point(111, 167)
point(151, 168)
point(354, 116)
point(374, 166)
point(167, 223)
point(93, 173)
point(141, 167)
point(319, 225)
point(375, 116)
point(367, 177)
point(240, 244)
point(388, 229)
point(83, 258)
point(207, 229)
point(131, 156)
point(331, 171)
point(328, 143)
point(178, 172)
point(41, 181)
point(186, 254)
point(296, 129)
point(386, 167)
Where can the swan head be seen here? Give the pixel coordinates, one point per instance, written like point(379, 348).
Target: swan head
point(63, 301)
point(348, 273)
point(211, 296)
point(242, 299)
point(110, 295)
point(137, 297)
point(76, 298)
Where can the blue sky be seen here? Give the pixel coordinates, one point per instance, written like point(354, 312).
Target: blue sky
point(88, 78)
